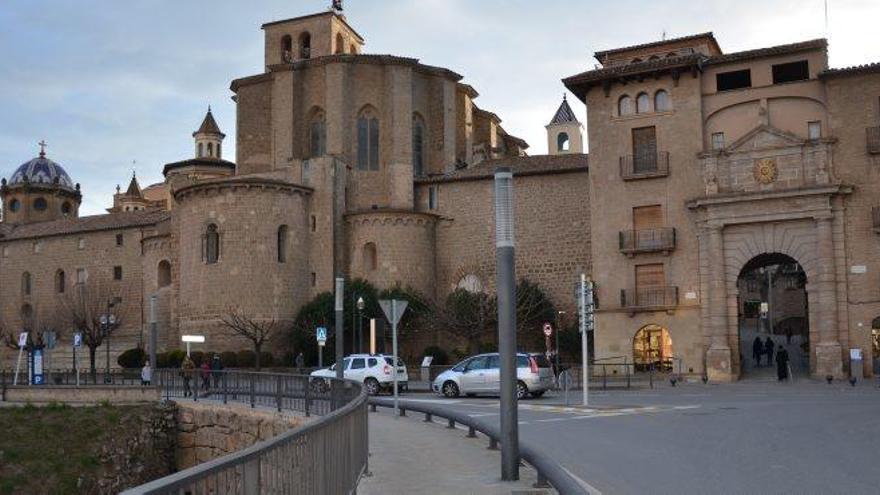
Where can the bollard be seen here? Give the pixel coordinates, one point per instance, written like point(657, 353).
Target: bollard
point(428, 418)
point(402, 411)
point(372, 407)
point(450, 423)
point(493, 444)
point(472, 432)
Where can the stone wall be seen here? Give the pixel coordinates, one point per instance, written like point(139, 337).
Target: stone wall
point(89, 395)
point(208, 431)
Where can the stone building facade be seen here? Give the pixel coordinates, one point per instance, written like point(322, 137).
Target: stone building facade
point(367, 166)
point(709, 166)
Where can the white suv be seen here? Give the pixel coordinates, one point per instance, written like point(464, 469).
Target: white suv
point(374, 370)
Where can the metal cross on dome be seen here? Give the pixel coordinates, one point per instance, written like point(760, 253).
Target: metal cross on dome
point(43, 145)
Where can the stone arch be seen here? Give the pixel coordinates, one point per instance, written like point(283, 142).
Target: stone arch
point(370, 257)
point(340, 44)
point(652, 348)
point(305, 45)
point(163, 278)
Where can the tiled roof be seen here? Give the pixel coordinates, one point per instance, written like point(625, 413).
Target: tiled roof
point(767, 52)
point(519, 165)
point(205, 162)
point(93, 223)
point(856, 69)
point(209, 125)
point(612, 51)
point(632, 69)
point(383, 59)
point(134, 189)
point(564, 115)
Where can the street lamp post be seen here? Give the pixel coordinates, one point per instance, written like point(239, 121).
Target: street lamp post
point(108, 321)
point(360, 308)
point(559, 315)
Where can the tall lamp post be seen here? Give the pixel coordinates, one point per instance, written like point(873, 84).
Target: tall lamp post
point(360, 308)
point(559, 316)
point(108, 321)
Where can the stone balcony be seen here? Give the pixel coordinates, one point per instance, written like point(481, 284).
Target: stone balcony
point(633, 242)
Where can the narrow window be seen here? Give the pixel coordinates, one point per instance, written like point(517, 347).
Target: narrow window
point(363, 143)
point(814, 129)
point(218, 151)
point(282, 244)
point(286, 48)
point(790, 72)
point(59, 281)
point(624, 105)
point(81, 243)
point(368, 142)
point(642, 102)
point(734, 80)
point(26, 284)
point(662, 103)
point(14, 205)
point(314, 223)
point(201, 151)
point(562, 142)
point(418, 146)
point(314, 279)
point(374, 144)
point(212, 244)
point(717, 140)
point(352, 49)
point(370, 257)
point(66, 208)
point(164, 273)
point(38, 247)
point(317, 135)
point(40, 204)
point(432, 198)
point(117, 272)
point(210, 150)
point(5, 251)
point(120, 239)
point(305, 45)
point(340, 44)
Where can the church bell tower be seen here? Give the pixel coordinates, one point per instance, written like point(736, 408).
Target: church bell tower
point(564, 133)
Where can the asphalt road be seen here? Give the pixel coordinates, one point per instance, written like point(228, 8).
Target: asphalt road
point(747, 437)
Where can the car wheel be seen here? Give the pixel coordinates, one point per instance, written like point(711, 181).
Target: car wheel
point(521, 390)
point(450, 389)
point(372, 386)
point(538, 394)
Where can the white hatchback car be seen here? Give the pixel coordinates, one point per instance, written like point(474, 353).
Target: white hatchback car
point(374, 370)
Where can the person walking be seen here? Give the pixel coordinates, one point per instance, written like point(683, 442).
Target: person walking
point(757, 351)
point(206, 375)
point(146, 375)
point(782, 364)
point(300, 363)
point(186, 371)
point(768, 350)
point(216, 369)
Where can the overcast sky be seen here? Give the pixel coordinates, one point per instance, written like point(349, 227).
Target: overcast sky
point(110, 82)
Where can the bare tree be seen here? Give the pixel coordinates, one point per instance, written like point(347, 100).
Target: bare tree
point(258, 331)
point(82, 308)
point(469, 315)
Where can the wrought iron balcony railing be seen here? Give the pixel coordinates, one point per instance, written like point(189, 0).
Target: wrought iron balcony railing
point(649, 298)
point(647, 240)
point(644, 165)
point(873, 139)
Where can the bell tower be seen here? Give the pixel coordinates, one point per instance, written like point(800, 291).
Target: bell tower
point(564, 132)
point(209, 138)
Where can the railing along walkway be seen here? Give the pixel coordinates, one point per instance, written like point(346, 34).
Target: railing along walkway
point(327, 455)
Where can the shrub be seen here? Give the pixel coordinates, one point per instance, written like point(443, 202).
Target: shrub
point(441, 358)
point(162, 360)
point(132, 358)
point(246, 359)
point(197, 357)
point(175, 357)
point(229, 359)
point(288, 359)
point(266, 359)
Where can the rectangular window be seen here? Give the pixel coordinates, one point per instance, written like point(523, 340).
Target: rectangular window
point(717, 140)
point(814, 129)
point(733, 80)
point(432, 198)
point(650, 276)
point(119, 239)
point(644, 141)
point(117, 273)
point(792, 71)
point(647, 217)
point(81, 275)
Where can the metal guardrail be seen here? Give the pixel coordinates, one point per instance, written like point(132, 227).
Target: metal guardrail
point(548, 470)
point(643, 166)
point(651, 297)
point(324, 456)
point(646, 240)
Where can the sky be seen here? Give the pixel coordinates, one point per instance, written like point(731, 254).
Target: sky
point(115, 85)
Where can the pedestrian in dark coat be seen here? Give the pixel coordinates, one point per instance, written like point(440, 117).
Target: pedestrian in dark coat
point(300, 363)
point(782, 364)
point(216, 369)
point(757, 350)
point(768, 350)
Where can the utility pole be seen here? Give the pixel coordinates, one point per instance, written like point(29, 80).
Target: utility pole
point(153, 331)
point(340, 288)
point(505, 281)
point(585, 307)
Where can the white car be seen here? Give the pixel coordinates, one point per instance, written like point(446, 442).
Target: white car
point(374, 370)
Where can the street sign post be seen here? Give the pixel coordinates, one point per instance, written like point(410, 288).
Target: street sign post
point(37, 366)
point(393, 309)
point(22, 343)
point(585, 310)
point(548, 331)
point(77, 342)
point(321, 335)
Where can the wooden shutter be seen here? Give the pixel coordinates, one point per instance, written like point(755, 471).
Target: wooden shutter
point(647, 217)
point(650, 276)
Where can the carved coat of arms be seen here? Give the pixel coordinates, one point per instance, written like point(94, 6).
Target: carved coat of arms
point(765, 170)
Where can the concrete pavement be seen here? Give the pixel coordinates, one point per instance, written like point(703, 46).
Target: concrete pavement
point(410, 456)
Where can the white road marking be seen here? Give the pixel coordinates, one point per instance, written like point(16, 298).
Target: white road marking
point(480, 415)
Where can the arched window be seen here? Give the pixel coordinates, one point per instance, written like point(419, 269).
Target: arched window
point(340, 43)
point(26, 284)
point(652, 349)
point(367, 140)
point(305, 45)
point(66, 208)
point(40, 204)
point(642, 102)
point(562, 142)
point(14, 205)
point(286, 48)
point(60, 281)
point(317, 134)
point(210, 150)
point(418, 145)
point(662, 103)
point(624, 105)
point(163, 277)
point(370, 257)
point(201, 151)
point(218, 151)
point(352, 49)
point(282, 244)
point(212, 244)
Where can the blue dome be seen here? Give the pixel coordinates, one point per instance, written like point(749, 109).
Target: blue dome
point(41, 170)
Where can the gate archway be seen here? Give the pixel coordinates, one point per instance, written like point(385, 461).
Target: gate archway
point(652, 348)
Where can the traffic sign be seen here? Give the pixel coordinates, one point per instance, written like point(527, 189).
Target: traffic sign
point(77, 339)
point(321, 334)
point(548, 330)
point(393, 309)
point(22, 339)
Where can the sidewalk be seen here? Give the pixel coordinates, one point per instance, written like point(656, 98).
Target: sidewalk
point(409, 456)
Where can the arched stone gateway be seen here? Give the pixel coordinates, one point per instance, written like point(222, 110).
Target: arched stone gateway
point(652, 349)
